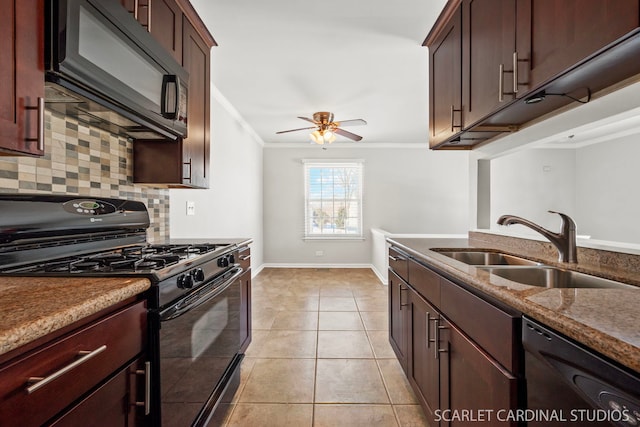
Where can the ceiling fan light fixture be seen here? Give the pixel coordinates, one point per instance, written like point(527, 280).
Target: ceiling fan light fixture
point(316, 137)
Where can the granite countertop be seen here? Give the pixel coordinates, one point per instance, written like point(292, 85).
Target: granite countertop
point(605, 320)
point(33, 307)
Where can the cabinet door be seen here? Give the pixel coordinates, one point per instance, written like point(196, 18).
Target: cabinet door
point(163, 19)
point(245, 310)
point(423, 361)
point(398, 317)
point(554, 35)
point(22, 76)
point(119, 402)
point(196, 56)
point(488, 46)
point(472, 381)
point(445, 81)
point(166, 26)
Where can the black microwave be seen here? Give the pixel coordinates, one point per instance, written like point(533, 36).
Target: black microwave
point(105, 69)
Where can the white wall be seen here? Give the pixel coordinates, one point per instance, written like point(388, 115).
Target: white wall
point(607, 190)
point(232, 206)
point(406, 190)
point(530, 182)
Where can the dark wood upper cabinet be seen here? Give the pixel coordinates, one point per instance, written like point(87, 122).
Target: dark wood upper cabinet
point(166, 26)
point(165, 17)
point(554, 35)
point(512, 49)
point(445, 67)
point(22, 76)
point(185, 163)
point(488, 45)
point(196, 60)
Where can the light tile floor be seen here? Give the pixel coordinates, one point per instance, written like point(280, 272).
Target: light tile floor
point(320, 355)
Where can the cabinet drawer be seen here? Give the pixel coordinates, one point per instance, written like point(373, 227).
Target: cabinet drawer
point(399, 263)
point(491, 328)
point(426, 282)
point(244, 258)
point(110, 343)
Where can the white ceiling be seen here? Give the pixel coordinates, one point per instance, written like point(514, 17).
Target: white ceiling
point(279, 59)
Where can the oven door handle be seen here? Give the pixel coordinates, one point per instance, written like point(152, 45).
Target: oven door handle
point(194, 300)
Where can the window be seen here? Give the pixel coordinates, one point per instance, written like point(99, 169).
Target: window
point(333, 199)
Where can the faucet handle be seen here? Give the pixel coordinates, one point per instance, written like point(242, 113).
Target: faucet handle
point(567, 221)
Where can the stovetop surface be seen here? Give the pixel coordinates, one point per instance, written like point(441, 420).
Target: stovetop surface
point(149, 259)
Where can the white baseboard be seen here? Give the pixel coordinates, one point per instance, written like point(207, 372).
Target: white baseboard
point(382, 279)
point(314, 265)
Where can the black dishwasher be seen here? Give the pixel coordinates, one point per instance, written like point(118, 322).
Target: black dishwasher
point(570, 385)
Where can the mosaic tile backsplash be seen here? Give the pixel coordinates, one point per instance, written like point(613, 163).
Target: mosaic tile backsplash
point(86, 161)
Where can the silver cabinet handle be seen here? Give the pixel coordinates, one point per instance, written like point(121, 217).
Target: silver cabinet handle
point(436, 332)
point(245, 257)
point(428, 323)
point(501, 72)
point(40, 123)
point(136, 5)
point(454, 126)
point(187, 178)
point(39, 382)
point(147, 387)
point(400, 299)
point(392, 258)
point(500, 83)
point(515, 71)
point(149, 15)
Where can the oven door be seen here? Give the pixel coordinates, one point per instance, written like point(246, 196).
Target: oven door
point(199, 344)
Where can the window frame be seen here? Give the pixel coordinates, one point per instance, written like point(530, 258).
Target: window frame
point(308, 164)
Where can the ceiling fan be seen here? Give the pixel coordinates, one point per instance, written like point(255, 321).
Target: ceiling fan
point(326, 129)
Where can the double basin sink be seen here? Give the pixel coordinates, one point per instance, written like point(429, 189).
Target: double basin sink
point(529, 272)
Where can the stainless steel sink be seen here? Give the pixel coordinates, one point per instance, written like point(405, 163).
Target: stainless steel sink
point(487, 258)
point(551, 277)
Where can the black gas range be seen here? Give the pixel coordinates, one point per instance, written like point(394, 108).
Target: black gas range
point(194, 300)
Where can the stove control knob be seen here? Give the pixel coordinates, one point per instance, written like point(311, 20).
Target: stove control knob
point(223, 262)
point(198, 275)
point(232, 259)
point(185, 281)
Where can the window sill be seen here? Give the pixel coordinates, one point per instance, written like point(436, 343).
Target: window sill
point(350, 238)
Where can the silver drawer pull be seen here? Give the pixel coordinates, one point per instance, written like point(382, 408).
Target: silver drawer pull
point(244, 257)
point(39, 382)
point(147, 387)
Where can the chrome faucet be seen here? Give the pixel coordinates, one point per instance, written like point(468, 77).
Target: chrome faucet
point(565, 240)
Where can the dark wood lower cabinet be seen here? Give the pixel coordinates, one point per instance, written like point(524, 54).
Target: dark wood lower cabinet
point(398, 317)
point(120, 402)
point(92, 375)
point(457, 381)
point(474, 387)
point(423, 357)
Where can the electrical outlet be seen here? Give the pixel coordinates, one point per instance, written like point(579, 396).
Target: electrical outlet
point(191, 208)
point(319, 253)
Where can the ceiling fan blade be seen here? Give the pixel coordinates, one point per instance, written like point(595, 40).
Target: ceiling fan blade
point(349, 135)
point(307, 119)
point(295, 130)
point(353, 122)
